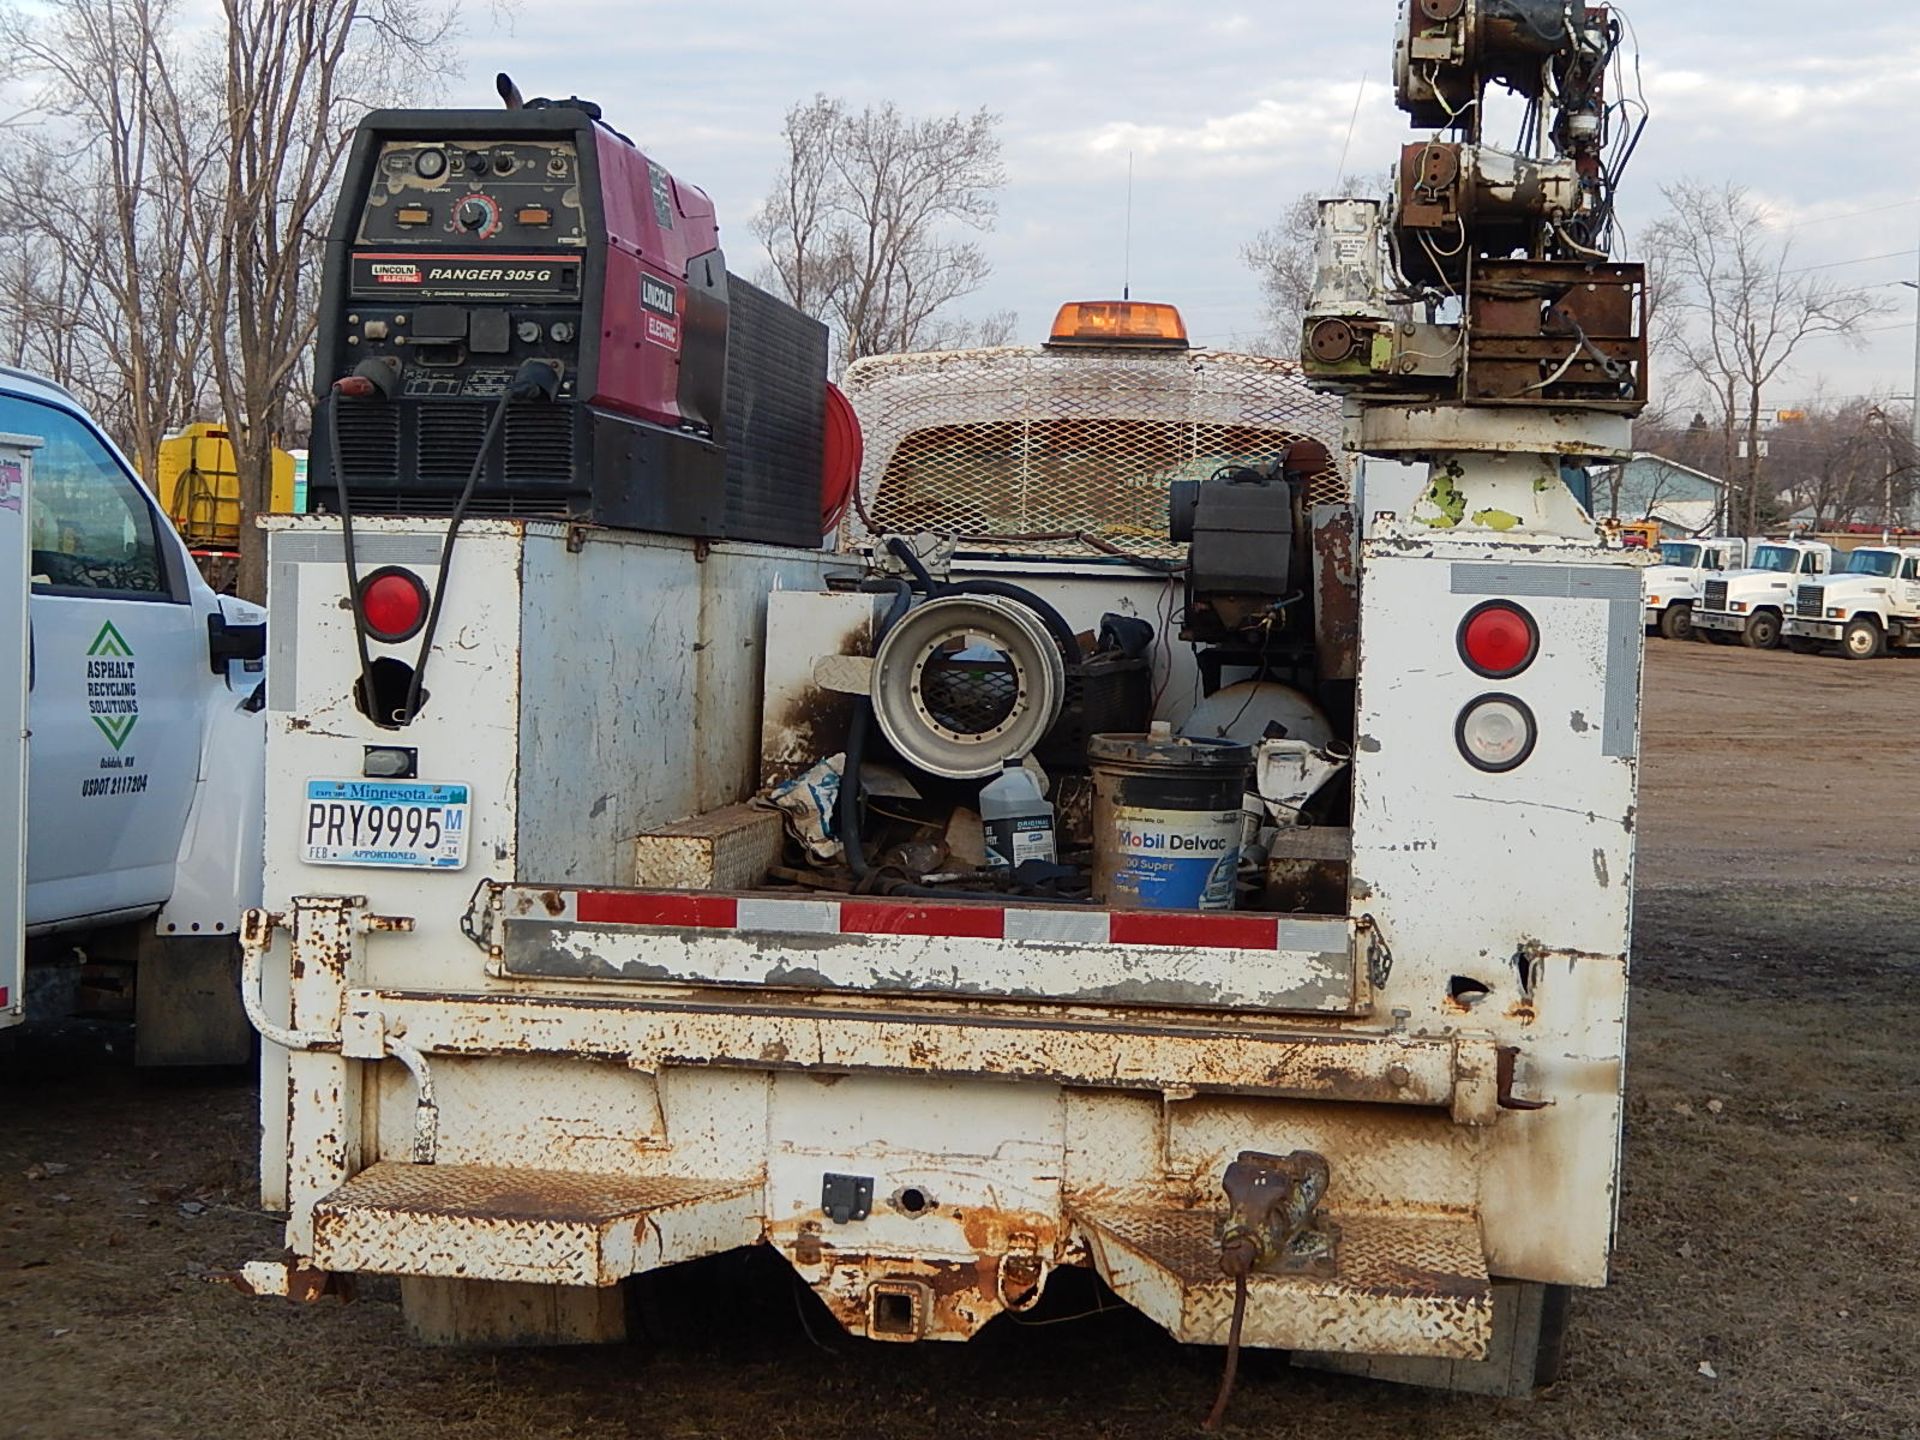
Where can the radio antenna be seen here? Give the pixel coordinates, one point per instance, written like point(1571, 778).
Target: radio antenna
point(1126, 270)
point(1340, 175)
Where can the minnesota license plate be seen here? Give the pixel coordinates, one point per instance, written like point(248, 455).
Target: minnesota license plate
point(404, 823)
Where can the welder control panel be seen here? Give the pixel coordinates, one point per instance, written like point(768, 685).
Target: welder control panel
point(467, 260)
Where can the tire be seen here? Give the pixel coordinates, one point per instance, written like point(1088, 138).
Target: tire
point(1676, 622)
point(1801, 645)
point(1863, 639)
point(1762, 632)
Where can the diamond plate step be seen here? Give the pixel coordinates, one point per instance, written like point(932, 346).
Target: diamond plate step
point(545, 1227)
point(1405, 1284)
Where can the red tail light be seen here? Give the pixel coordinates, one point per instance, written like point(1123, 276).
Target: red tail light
point(1498, 640)
point(393, 602)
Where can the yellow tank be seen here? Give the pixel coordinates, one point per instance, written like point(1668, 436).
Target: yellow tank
point(200, 488)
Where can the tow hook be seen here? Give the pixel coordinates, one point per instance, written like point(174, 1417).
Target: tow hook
point(1273, 1227)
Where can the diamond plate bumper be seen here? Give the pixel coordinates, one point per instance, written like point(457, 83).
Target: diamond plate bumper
point(1404, 1284)
point(547, 1227)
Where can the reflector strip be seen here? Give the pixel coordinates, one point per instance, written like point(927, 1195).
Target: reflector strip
point(1200, 932)
point(1052, 925)
point(875, 918)
point(643, 907)
point(791, 917)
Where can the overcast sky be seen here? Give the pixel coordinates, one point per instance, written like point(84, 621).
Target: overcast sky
point(1230, 111)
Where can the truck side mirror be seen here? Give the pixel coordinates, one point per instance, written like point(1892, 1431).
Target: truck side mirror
point(227, 642)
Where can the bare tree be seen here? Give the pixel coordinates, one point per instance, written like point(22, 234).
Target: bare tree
point(1849, 463)
point(1734, 313)
point(997, 328)
point(168, 208)
point(860, 221)
point(289, 82)
point(1283, 256)
point(96, 290)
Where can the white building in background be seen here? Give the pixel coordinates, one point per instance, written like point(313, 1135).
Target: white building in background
point(1652, 487)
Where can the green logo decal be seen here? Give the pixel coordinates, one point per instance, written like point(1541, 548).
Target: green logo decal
point(110, 642)
point(113, 692)
point(116, 729)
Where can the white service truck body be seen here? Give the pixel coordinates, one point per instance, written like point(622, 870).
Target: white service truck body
point(1751, 605)
point(510, 1076)
point(1673, 584)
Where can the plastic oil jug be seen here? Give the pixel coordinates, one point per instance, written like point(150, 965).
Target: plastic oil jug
point(1018, 818)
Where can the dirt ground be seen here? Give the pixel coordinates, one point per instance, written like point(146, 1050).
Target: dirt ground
point(1766, 1282)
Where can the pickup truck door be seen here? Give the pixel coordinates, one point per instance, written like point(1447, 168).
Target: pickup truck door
point(15, 466)
point(118, 664)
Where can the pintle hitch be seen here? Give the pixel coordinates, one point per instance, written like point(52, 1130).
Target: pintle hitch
point(1273, 1227)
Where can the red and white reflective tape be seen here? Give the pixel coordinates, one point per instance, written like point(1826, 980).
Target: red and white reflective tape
point(1057, 925)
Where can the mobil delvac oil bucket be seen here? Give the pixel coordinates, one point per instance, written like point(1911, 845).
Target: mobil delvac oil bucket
point(1166, 820)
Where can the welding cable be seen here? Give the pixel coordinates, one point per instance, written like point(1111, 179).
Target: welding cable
point(346, 544)
point(534, 380)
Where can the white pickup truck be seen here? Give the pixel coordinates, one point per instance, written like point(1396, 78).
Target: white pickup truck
point(145, 749)
point(1751, 605)
point(1673, 585)
point(1868, 607)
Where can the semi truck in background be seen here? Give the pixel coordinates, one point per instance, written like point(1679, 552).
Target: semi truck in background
point(1751, 604)
point(551, 1006)
point(1673, 583)
point(144, 748)
point(1869, 606)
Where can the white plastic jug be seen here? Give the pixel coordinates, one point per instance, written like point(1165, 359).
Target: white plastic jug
point(1019, 819)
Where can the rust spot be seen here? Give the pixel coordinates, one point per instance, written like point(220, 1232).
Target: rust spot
point(1337, 603)
point(552, 901)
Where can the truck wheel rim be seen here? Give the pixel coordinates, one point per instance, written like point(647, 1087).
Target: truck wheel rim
point(922, 731)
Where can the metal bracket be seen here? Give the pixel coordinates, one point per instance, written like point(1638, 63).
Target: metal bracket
point(845, 1198)
point(1506, 1060)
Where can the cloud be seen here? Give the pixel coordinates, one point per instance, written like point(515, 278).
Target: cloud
point(1229, 113)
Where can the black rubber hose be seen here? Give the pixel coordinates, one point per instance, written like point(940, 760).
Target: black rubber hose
point(904, 553)
point(1055, 622)
point(847, 811)
point(1006, 590)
